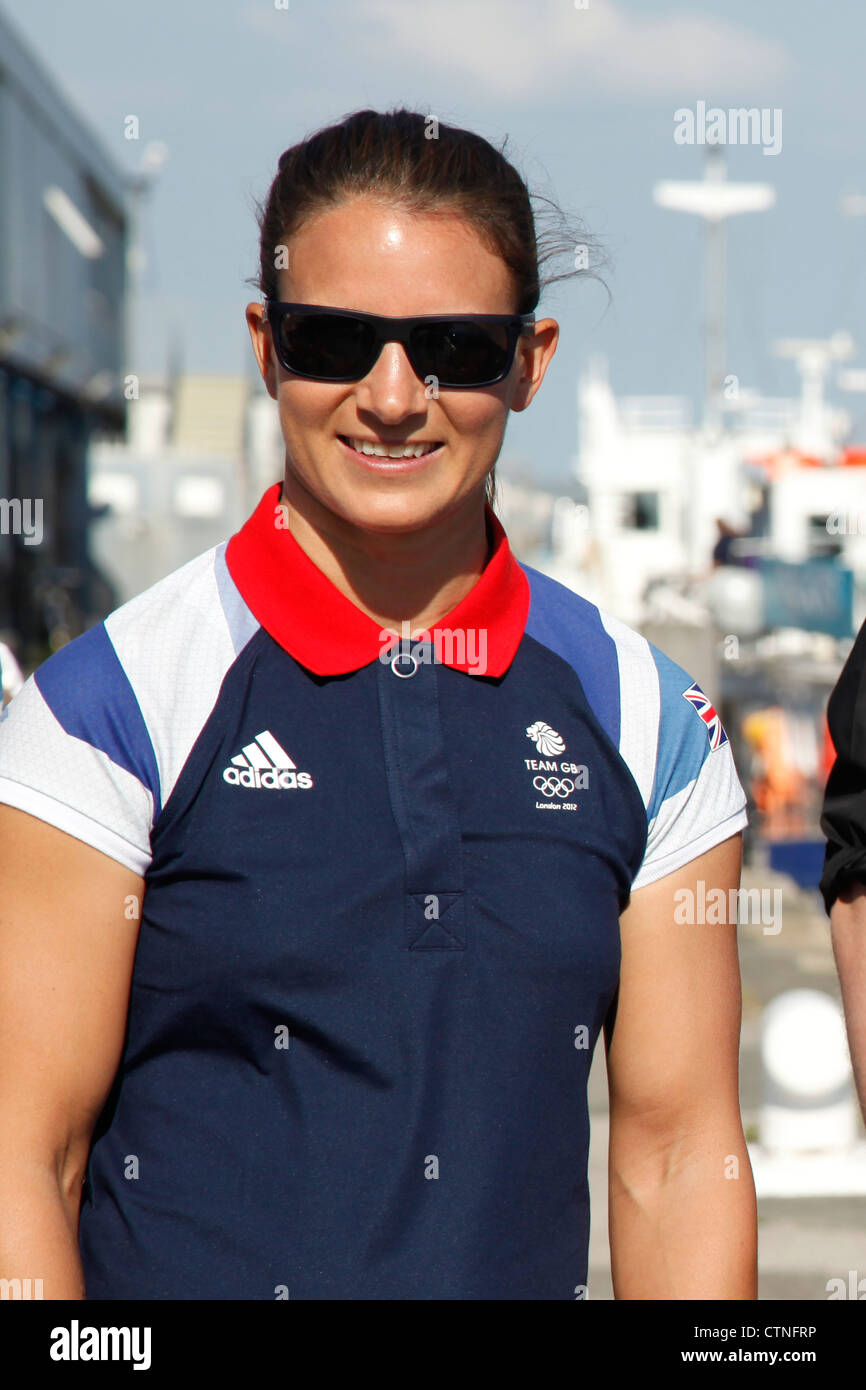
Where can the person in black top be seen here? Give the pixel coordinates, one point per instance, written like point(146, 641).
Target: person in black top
point(843, 823)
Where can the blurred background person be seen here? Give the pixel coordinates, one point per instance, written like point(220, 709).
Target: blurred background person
point(843, 821)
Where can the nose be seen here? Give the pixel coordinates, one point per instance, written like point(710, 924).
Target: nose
point(391, 389)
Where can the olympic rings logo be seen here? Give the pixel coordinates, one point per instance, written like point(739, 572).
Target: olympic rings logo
point(553, 786)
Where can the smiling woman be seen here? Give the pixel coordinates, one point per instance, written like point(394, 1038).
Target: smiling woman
point(461, 236)
point(329, 974)
point(385, 454)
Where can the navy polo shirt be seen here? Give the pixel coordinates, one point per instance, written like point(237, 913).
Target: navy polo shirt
point(379, 935)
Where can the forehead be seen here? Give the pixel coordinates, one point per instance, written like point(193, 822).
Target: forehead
point(364, 254)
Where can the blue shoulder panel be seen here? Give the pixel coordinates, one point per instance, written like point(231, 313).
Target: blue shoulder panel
point(89, 694)
point(571, 626)
point(683, 737)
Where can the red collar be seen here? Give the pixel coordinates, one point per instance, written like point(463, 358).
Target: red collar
point(309, 617)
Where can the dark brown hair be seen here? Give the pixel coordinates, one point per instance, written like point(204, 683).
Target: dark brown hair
point(420, 164)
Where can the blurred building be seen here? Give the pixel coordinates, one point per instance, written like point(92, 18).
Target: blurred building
point(200, 451)
point(62, 284)
point(780, 478)
point(740, 551)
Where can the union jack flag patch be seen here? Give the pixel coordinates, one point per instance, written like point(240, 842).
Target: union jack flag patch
point(701, 705)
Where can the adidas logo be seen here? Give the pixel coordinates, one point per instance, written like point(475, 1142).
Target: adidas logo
point(265, 763)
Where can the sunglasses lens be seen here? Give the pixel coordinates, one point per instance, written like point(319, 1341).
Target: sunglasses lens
point(334, 347)
point(460, 353)
point(325, 345)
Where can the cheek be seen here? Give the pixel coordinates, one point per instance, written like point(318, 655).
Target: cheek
point(478, 416)
point(304, 406)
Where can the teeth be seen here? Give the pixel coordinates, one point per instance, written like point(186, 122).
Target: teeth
point(393, 451)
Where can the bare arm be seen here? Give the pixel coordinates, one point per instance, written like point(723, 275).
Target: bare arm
point(848, 933)
point(68, 933)
point(682, 1212)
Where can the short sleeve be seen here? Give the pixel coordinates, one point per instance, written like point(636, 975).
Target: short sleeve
point(843, 816)
point(75, 751)
point(696, 799)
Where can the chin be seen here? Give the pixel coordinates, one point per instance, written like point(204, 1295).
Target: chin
point(395, 510)
point(393, 515)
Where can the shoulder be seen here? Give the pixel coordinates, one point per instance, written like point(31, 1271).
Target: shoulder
point(134, 691)
point(199, 597)
point(639, 694)
point(664, 726)
point(845, 708)
point(193, 614)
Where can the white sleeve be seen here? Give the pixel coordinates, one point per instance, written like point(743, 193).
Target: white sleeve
point(75, 751)
point(97, 737)
point(696, 800)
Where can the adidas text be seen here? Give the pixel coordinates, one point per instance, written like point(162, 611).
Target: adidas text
point(274, 779)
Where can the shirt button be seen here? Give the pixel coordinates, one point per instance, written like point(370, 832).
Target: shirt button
point(404, 664)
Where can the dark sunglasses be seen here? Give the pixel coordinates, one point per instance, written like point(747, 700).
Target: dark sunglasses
point(460, 351)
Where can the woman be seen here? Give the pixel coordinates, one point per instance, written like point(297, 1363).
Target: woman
point(843, 824)
point(326, 920)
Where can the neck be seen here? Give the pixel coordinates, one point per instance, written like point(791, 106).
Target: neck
point(415, 577)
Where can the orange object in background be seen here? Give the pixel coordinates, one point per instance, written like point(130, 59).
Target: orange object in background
point(779, 787)
point(786, 461)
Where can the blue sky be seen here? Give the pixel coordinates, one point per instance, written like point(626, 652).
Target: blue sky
point(587, 99)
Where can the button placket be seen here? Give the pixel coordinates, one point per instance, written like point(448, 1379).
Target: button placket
point(422, 802)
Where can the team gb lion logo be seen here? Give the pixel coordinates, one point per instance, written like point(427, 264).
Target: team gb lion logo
point(546, 740)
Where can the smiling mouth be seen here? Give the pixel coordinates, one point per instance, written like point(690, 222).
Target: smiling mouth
point(413, 449)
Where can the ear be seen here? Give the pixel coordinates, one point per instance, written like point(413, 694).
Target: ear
point(534, 351)
point(263, 347)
